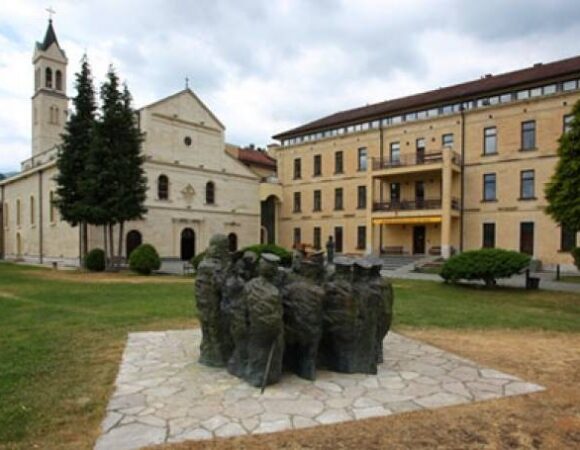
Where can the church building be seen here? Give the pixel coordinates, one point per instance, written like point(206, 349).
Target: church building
point(195, 187)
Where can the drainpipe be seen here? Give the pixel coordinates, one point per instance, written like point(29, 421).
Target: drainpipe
point(2, 232)
point(40, 219)
point(462, 201)
point(381, 185)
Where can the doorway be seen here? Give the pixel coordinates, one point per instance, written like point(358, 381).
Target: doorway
point(338, 239)
point(527, 238)
point(187, 244)
point(133, 240)
point(419, 240)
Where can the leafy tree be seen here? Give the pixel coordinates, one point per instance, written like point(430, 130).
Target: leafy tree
point(73, 153)
point(563, 190)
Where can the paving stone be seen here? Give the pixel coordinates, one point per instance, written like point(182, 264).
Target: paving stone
point(229, 430)
point(163, 394)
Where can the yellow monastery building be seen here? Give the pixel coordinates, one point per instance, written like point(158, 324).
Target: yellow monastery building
point(458, 168)
point(195, 187)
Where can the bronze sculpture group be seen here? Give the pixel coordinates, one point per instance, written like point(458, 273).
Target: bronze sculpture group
point(259, 319)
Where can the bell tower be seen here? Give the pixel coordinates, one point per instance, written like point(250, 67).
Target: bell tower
point(49, 102)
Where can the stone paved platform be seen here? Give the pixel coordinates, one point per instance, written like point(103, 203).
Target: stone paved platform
point(163, 395)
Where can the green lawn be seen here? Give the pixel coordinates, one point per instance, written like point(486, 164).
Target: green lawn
point(62, 336)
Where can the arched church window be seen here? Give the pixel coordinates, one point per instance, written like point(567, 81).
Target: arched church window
point(163, 187)
point(210, 193)
point(233, 242)
point(48, 78)
point(58, 80)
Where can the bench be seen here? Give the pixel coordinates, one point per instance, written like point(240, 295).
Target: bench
point(188, 268)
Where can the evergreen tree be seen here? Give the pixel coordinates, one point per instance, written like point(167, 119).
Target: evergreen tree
point(132, 180)
point(563, 190)
point(74, 151)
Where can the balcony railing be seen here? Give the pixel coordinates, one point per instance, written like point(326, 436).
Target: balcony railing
point(413, 205)
point(413, 159)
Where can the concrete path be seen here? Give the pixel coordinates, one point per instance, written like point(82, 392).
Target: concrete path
point(547, 281)
point(163, 395)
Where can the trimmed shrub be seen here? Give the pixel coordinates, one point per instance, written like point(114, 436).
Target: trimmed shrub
point(144, 259)
point(487, 264)
point(95, 260)
point(576, 255)
point(197, 259)
point(285, 255)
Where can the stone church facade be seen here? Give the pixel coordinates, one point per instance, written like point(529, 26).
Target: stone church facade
point(195, 187)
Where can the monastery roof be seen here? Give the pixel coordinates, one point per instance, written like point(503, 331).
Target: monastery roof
point(487, 84)
point(255, 157)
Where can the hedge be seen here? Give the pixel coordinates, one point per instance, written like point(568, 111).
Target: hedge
point(95, 260)
point(487, 264)
point(144, 259)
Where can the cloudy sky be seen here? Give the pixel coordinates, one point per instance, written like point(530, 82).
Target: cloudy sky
point(264, 66)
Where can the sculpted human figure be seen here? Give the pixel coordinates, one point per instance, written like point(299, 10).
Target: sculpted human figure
point(302, 299)
point(209, 281)
point(341, 320)
point(243, 270)
point(368, 298)
point(265, 324)
point(384, 305)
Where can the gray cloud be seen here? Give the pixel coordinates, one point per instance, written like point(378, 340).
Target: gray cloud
point(265, 65)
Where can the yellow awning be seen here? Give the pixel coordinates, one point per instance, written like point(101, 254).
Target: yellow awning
point(407, 220)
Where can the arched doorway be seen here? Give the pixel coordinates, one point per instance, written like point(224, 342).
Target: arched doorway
point(133, 240)
point(233, 242)
point(187, 244)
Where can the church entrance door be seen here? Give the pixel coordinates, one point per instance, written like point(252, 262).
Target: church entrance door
point(134, 240)
point(187, 244)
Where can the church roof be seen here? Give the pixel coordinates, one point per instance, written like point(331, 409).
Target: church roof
point(255, 157)
point(49, 38)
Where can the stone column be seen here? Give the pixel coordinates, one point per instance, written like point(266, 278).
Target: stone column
point(446, 195)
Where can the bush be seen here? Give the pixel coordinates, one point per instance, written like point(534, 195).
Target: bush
point(95, 260)
point(197, 259)
point(144, 259)
point(487, 264)
point(576, 255)
point(285, 255)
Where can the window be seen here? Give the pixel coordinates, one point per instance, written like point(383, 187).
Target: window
point(51, 207)
point(447, 140)
point(338, 162)
point(568, 118)
point(361, 237)
point(489, 187)
point(420, 150)
point(522, 95)
point(361, 202)
point(32, 210)
point(297, 237)
point(490, 141)
point(506, 98)
point(48, 78)
point(18, 212)
point(395, 152)
point(567, 239)
point(58, 80)
point(297, 168)
point(527, 238)
point(536, 92)
point(529, 135)
point(210, 193)
point(569, 85)
point(187, 141)
point(297, 202)
point(419, 193)
point(527, 184)
point(338, 200)
point(362, 158)
point(395, 192)
point(317, 238)
point(162, 187)
point(488, 235)
point(317, 166)
point(550, 89)
point(317, 201)
point(338, 239)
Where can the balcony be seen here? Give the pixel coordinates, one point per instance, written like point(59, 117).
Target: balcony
point(413, 205)
point(414, 159)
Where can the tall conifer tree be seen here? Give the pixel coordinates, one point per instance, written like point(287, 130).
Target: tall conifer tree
point(563, 190)
point(73, 154)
